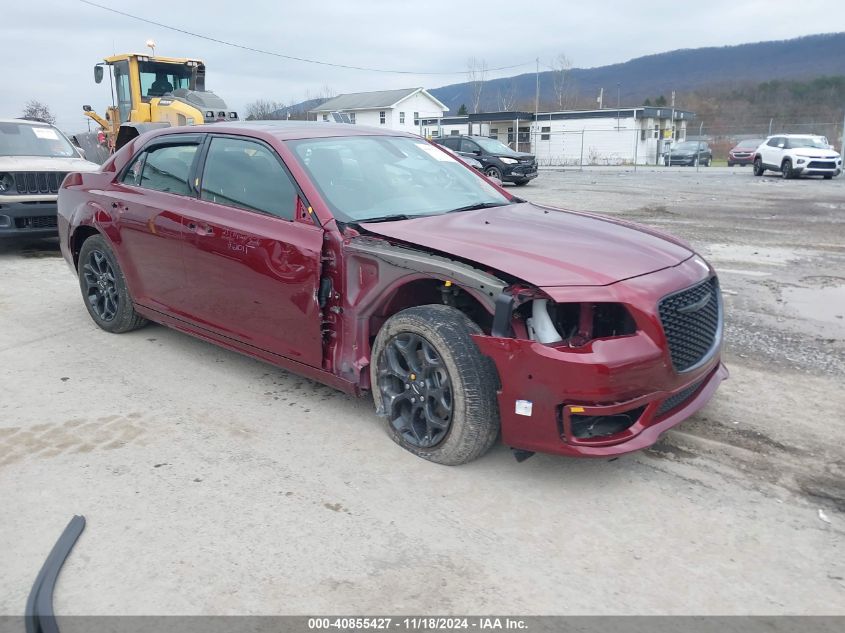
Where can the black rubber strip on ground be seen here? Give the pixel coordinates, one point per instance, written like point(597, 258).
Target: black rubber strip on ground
point(39, 616)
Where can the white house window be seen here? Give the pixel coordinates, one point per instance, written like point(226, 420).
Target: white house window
point(381, 117)
point(325, 117)
point(494, 132)
point(352, 117)
point(545, 133)
point(435, 133)
point(401, 118)
point(454, 132)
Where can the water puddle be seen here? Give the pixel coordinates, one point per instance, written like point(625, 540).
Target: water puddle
point(826, 305)
point(767, 256)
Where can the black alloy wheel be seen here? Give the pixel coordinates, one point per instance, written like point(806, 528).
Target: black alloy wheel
point(416, 389)
point(100, 286)
point(104, 288)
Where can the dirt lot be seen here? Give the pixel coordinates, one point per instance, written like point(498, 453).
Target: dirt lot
point(213, 483)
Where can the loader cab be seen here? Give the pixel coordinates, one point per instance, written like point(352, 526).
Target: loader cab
point(138, 79)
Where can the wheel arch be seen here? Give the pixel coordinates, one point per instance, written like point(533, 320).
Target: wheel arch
point(77, 239)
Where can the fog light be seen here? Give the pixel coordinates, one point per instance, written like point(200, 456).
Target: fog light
point(800, 161)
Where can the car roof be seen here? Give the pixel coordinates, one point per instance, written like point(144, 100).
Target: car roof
point(26, 122)
point(285, 130)
point(795, 136)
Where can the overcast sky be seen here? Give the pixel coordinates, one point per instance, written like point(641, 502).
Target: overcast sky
point(49, 47)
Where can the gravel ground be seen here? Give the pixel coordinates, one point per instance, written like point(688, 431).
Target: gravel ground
point(213, 483)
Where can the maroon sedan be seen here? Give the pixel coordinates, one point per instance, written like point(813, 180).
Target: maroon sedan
point(374, 261)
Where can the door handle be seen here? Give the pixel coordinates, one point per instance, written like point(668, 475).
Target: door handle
point(204, 229)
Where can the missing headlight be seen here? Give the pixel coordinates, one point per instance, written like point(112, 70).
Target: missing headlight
point(576, 324)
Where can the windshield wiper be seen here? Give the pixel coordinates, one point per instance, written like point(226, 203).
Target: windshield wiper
point(478, 205)
point(384, 218)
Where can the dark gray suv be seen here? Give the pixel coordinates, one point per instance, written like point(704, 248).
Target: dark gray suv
point(498, 160)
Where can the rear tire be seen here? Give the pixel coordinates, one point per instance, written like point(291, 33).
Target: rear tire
point(758, 167)
point(435, 388)
point(520, 183)
point(104, 288)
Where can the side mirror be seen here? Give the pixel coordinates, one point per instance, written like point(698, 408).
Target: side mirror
point(81, 152)
point(476, 152)
point(98, 73)
point(86, 108)
point(780, 145)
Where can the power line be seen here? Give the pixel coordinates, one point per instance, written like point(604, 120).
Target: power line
point(282, 55)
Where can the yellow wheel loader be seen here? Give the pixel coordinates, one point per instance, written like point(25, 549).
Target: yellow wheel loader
point(151, 92)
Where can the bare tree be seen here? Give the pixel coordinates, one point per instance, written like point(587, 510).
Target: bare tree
point(476, 76)
point(262, 109)
point(507, 95)
point(34, 109)
point(560, 71)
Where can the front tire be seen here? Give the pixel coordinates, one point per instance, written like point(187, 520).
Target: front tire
point(104, 288)
point(433, 385)
point(786, 170)
point(494, 172)
point(758, 167)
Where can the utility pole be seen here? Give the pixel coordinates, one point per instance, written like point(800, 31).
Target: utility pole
point(672, 122)
point(617, 105)
point(601, 97)
point(842, 140)
point(536, 111)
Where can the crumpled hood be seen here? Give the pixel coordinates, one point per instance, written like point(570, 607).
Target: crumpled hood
point(544, 247)
point(45, 163)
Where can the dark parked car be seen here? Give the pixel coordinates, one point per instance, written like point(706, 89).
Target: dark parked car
point(469, 159)
point(743, 152)
point(690, 153)
point(499, 160)
point(375, 262)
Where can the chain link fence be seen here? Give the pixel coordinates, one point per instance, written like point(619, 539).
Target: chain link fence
point(624, 146)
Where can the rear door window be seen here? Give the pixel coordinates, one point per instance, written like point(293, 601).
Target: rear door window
point(166, 168)
point(469, 146)
point(247, 175)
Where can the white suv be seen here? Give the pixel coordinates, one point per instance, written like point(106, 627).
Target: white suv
point(34, 159)
point(795, 155)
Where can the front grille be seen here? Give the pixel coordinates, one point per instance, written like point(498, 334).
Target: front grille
point(821, 164)
point(690, 320)
point(38, 181)
point(37, 222)
point(676, 400)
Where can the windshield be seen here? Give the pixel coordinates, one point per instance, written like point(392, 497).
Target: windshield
point(160, 78)
point(806, 141)
point(493, 146)
point(689, 145)
point(382, 177)
point(750, 143)
point(25, 139)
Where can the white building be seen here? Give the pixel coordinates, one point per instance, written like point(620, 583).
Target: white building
point(401, 109)
point(577, 137)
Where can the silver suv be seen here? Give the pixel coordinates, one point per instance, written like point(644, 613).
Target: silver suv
point(34, 159)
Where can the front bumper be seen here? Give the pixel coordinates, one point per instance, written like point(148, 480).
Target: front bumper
point(745, 159)
point(546, 389)
point(686, 161)
point(28, 219)
point(520, 173)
